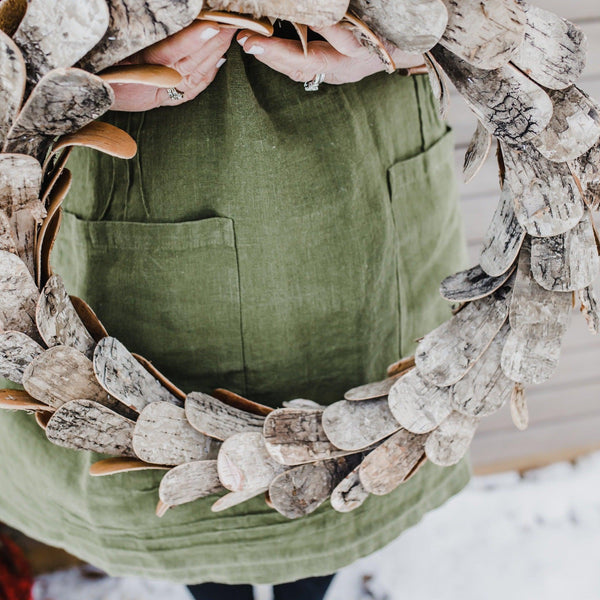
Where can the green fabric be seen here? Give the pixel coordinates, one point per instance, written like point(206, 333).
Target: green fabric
point(277, 243)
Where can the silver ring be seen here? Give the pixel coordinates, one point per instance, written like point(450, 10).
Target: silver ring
point(175, 94)
point(314, 83)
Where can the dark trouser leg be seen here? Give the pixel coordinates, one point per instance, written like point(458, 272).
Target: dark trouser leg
point(221, 591)
point(313, 588)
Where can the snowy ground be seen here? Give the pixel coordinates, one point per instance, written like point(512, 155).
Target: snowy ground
point(503, 538)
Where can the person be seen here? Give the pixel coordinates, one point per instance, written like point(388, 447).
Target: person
point(276, 242)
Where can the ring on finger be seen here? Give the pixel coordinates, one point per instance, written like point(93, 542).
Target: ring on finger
point(314, 83)
point(175, 94)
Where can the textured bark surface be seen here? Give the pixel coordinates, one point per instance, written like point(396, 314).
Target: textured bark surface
point(369, 40)
point(384, 469)
point(485, 388)
point(21, 400)
point(566, 262)
point(300, 491)
point(7, 241)
point(411, 25)
point(232, 399)
point(418, 405)
point(24, 223)
point(590, 308)
point(189, 482)
point(57, 320)
point(518, 408)
point(12, 83)
point(587, 169)
point(477, 152)
point(472, 284)
point(216, 419)
point(163, 436)
point(554, 50)
point(509, 105)
point(122, 376)
point(503, 238)
point(20, 182)
point(136, 24)
point(357, 425)
point(485, 34)
point(547, 200)
point(450, 441)
point(296, 436)
point(17, 350)
point(62, 102)
point(234, 498)
point(302, 403)
point(112, 466)
point(18, 296)
point(439, 85)
point(89, 318)
point(244, 463)
point(574, 128)
point(401, 366)
point(87, 425)
point(377, 389)
point(349, 493)
point(57, 33)
point(449, 351)
point(318, 13)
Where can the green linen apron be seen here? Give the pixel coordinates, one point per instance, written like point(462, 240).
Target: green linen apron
point(278, 243)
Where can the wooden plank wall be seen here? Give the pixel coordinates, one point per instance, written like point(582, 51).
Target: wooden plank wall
point(565, 412)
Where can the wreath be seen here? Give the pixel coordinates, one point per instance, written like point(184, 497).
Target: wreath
point(514, 64)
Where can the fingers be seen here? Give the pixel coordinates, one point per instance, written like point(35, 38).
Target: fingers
point(342, 39)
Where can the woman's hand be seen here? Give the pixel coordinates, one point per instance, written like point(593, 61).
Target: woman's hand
point(341, 57)
point(196, 52)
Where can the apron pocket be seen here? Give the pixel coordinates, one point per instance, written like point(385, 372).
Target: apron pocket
point(430, 236)
point(168, 291)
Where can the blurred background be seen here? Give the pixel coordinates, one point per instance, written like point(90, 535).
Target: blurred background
point(528, 524)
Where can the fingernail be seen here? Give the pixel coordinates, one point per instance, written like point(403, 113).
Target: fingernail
point(255, 49)
point(221, 62)
point(209, 33)
point(242, 41)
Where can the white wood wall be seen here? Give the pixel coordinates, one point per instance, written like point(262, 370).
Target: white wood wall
point(565, 411)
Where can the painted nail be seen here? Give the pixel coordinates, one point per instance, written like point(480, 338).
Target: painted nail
point(255, 49)
point(221, 62)
point(209, 33)
point(242, 41)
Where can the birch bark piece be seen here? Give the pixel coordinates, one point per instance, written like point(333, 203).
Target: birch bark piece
point(61, 374)
point(42, 419)
point(24, 223)
point(574, 128)
point(227, 19)
point(485, 35)
point(296, 436)
point(518, 408)
point(57, 320)
point(12, 83)
point(302, 33)
point(216, 419)
point(237, 401)
point(401, 366)
point(485, 388)
point(233, 499)
point(51, 229)
point(503, 238)
point(384, 469)
point(189, 482)
point(87, 425)
point(62, 102)
point(370, 391)
point(314, 13)
point(144, 74)
point(114, 466)
point(472, 284)
point(122, 376)
point(418, 405)
point(57, 33)
point(89, 318)
point(349, 493)
point(21, 400)
point(18, 296)
point(566, 262)
point(300, 491)
point(7, 241)
point(438, 83)
point(477, 152)
point(547, 200)
point(530, 361)
point(137, 24)
point(20, 181)
point(587, 169)
point(355, 426)
point(535, 312)
point(590, 308)
point(11, 14)
point(369, 40)
point(244, 464)
point(17, 350)
point(451, 440)
point(411, 25)
point(449, 351)
point(508, 104)
point(163, 436)
point(554, 50)
point(166, 383)
point(302, 403)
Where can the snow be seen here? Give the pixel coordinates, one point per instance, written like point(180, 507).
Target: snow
point(503, 537)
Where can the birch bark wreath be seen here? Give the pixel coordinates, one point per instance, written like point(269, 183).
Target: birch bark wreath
point(515, 65)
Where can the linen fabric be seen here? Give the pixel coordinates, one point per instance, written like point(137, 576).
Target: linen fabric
point(278, 243)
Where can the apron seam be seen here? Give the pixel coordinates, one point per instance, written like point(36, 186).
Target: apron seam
point(241, 317)
point(419, 112)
